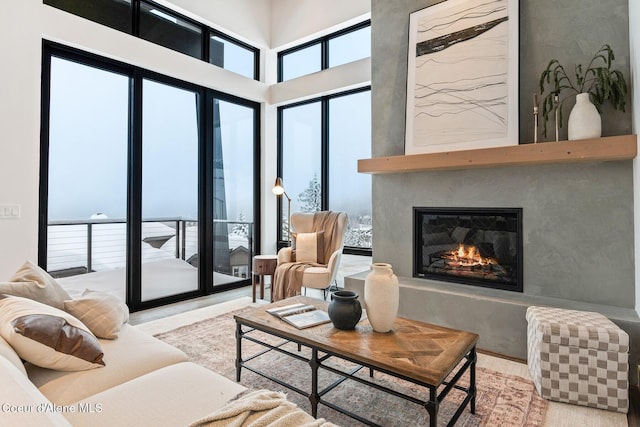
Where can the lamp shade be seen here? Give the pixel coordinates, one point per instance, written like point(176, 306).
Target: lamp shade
point(278, 189)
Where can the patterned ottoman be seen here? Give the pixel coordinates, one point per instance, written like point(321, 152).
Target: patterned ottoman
point(578, 357)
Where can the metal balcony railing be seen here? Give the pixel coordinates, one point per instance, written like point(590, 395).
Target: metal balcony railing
point(81, 246)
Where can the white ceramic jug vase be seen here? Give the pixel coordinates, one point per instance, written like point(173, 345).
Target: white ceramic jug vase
point(381, 296)
point(584, 119)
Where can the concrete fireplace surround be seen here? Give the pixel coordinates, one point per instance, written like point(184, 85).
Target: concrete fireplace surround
point(578, 247)
point(578, 219)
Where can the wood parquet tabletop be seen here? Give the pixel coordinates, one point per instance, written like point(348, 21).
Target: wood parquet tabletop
point(413, 349)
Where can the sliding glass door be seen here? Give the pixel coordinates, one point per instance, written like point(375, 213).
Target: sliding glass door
point(148, 183)
point(87, 173)
point(169, 232)
point(234, 134)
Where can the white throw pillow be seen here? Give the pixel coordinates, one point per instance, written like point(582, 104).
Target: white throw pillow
point(102, 313)
point(48, 337)
point(31, 281)
point(308, 247)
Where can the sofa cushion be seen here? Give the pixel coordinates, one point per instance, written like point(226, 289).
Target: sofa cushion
point(103, 313)
point(172, 396)
point(31, 281)
point(133, 354)
point(48, 337)
point(22, 404)
point(10, 354)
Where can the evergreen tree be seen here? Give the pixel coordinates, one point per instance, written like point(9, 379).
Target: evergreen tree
point(311, 197)
point(359, 234)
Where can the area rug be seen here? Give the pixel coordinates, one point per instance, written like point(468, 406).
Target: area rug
point(501, 400)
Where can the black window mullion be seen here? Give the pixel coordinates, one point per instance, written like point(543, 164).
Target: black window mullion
point(324, 162)
point(206, 189)
point(280, 67)
point(135, 18)
point(279, 172)
point(257, 180)
point(324, 51)
point(206, 41)
point(43, 218)
point(134, 195)
point(256, 64)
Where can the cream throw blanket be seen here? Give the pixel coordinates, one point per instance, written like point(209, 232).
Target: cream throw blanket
point(287, 280)
point(261, 408)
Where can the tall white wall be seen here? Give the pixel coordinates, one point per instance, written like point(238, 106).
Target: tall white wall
point(634, 47)
point(293, 21)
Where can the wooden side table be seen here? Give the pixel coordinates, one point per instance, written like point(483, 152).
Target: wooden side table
point(263, 265)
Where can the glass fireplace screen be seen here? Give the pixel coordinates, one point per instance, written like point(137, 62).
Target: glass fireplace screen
point(473, 246)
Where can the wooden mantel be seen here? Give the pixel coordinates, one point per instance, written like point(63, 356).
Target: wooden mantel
point(585, 150)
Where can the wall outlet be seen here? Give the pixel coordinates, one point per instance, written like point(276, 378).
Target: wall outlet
point(9, 211)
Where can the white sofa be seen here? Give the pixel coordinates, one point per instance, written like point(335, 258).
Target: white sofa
point(145, 382)
point(95, 369)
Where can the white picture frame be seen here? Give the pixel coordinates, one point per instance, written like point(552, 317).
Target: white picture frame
point(462, 76)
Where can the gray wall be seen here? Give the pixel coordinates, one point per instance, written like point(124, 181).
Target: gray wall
point(568, 30)
point(578, 219)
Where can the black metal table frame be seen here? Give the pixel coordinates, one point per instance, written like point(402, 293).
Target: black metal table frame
point(316, 362)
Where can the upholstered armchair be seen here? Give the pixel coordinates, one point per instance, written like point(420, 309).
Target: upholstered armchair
point(314, 257)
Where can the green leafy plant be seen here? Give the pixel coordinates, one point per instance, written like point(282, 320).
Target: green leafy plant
point(597, 78)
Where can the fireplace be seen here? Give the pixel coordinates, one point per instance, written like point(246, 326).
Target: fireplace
point(473, 246)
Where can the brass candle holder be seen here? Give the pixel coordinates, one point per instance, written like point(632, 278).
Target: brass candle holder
point(556, 103)
point(535, 118)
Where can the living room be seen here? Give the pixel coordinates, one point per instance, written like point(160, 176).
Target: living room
point(580, 250)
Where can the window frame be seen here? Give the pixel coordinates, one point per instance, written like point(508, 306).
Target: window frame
point(324, 47)
point(206, 32)
point(205, 97)
point(256, 52)
point(324, 162)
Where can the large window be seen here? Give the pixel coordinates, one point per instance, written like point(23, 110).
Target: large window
point(112, 13)
point(88, 145)
point(301, 155)
point(233, 56)
point(350, 46)
point(350, 140)
point(335, 49)
point(233, 189)
point(169, 186)
point(170, 30)
point(301, 61)
point(320, 142)
point(147, 182)
point(163, 26)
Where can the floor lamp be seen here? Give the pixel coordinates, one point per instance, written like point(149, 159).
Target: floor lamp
point(278, 190)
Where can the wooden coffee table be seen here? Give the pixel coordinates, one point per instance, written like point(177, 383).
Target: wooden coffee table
point(413, 351)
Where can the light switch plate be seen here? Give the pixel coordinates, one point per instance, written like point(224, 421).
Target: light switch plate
point(9, 211)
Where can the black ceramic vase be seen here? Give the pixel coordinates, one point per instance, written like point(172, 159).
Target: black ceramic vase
point(345, 309)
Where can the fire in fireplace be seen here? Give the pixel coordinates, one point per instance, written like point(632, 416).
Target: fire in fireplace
point(474, 246)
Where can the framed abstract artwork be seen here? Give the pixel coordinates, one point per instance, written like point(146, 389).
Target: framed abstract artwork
point(462, 76)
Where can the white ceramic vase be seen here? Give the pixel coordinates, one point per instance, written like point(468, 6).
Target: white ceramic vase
point(584, 119)
point(381, 296)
